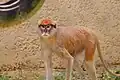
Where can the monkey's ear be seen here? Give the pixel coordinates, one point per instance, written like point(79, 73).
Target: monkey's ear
point(39, 22)
point(54, 24)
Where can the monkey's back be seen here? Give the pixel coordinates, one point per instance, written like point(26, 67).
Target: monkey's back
point(74, 39)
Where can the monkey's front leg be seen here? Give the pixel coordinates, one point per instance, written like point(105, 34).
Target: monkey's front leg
point(69, 66)
point(48, 63)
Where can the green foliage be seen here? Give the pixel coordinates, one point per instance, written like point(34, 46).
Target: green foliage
point(108, 76)
point(3, 77)
point(59, 76)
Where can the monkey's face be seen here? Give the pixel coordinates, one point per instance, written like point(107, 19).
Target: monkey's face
point(46, 29)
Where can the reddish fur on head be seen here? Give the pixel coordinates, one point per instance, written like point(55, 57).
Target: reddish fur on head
point(46, 22)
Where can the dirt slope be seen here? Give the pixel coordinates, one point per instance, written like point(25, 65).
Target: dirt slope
point(3, 1)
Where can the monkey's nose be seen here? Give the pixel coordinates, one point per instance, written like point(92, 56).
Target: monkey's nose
point(45, 30)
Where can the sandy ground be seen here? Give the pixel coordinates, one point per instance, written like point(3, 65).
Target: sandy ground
point(20, 45)
point(3, 1)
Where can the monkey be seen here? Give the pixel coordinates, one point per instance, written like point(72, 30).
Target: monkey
point(69, 42)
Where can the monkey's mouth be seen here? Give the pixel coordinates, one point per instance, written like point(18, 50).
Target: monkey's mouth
point(45, 35)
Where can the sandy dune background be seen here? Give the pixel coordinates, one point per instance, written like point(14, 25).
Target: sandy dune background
point(19, 45)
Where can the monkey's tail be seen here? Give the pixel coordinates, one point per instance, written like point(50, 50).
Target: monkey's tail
point(101, 58)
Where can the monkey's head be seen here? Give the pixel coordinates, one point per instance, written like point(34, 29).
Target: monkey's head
point(46, 28)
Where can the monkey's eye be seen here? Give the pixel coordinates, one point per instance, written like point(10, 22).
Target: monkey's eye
point(54, 26)
point(42, 26)
point(48, 26)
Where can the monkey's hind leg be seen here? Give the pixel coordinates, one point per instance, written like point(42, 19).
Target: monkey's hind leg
point(89, 61)
point(69, 66)
point(77, 67)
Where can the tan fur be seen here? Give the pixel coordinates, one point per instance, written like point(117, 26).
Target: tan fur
point(68, 42)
